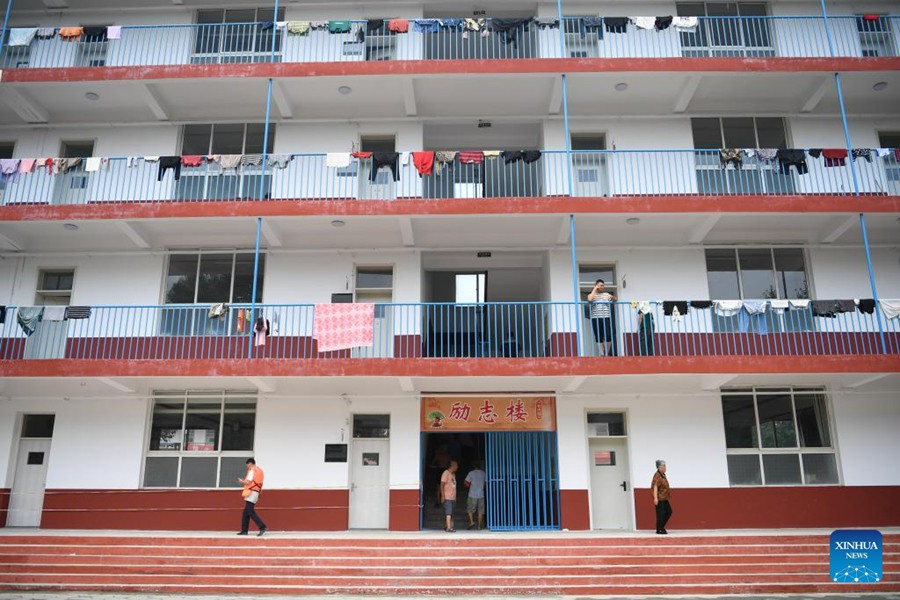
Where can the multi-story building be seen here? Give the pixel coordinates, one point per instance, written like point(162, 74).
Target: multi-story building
point(414, 201)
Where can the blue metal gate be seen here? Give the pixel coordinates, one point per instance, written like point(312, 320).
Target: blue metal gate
point(522, 480)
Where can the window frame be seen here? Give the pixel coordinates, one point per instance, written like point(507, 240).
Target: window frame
point(798, 450)
point(185, 396)
point(771, 249)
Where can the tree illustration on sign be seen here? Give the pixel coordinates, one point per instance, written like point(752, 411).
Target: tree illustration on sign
point(437, 419)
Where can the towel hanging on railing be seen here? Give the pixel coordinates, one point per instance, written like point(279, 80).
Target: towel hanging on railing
point(28, 317)
point(70, 34)
point(21, 36)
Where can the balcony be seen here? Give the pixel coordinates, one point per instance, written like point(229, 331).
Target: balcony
point(512, 330)
point(573, 37)
point(587, 174)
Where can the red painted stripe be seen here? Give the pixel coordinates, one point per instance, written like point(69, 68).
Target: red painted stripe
point(454, 67)
point(451, 367)
point(750, 204)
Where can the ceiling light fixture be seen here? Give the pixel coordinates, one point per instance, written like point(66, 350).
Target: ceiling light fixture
point(881, 85)
point(344, 90)
point(632, 220)
point(71, 226)
point(337, 223)
point(621, 87)
point(92, 96)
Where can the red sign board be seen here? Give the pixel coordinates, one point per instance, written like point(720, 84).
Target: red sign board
point(488, 413)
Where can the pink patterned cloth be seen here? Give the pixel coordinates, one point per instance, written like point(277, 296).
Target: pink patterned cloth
point(341, 326)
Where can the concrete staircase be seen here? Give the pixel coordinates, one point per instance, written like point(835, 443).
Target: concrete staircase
point(433, 564)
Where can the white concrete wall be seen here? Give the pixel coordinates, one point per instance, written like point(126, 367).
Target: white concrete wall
point(866, 427)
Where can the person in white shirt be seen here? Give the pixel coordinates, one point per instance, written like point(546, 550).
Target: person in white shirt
point(602, 319)
point(475, 481)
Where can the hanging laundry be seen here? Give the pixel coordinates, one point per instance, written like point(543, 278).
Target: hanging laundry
point(890, 308)
point(343, 326)
point(799, 303)
point(865, 153)
point(834, 157)
point(361, 155)
point(511, 156)
point(166, 163)
point(92, 163)
point(687, 24)
point(491, 154)
point(767, 155)
point(151, 159)
point(278, 161)
point(792, 157)
point(733, 156)
point(192, 160)
point(9, 166)
point(46, 33)
point(456, 24)
point(94, 34)
point(78, 312)
point(398, 25)
point(2, 314)
point(471, 158)
point(337, 160)
point(701, 303)
point(646, 329)
point(216, 310)
point(323, 25)
point(883, 152)
point(815, 152)
point(844, 306)
point(339, 26)
point(298, 27)
point(21, 36)
point(251, 160)
point(509, 29)
point(374, 25)
point(754, 313)
point(897, 153)
point(866, 306)
point(443, 158)
point(229, 161)
point(64, 165)
point(241, 321)
point(728, 308)
point(779, 306)
point(404, 158)
point(28, 317)
point(474, 24)
point(266, 25)
point(823, 308)
point(114, 32)
point(590, 25)
point(426, 26)
point(644, 22)
point(545, 22)
point(424, 162)
point(662, 23)
point(70, 34)
point(385, 159)
point(26, 165)
point(530, 156)
point(616, 24)
point(53, 313)
point(261, 331)
point(669, 306)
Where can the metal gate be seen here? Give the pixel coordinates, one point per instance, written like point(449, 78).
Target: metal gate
point(522, 480)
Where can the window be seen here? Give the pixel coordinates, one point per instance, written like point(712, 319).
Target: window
point(208, 278)
point(38, 426)
point(778, 436)
point(371, 426)
point(200, 439)
point(730, 29)
point(470, 288)
point(236, 35)
point(211, 182)
point(891, 165)
point(606, 424)
point(54, 287)
point(712, 133)
point(875, 38)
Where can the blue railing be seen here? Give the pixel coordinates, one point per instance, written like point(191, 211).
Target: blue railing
point(602, 173)
point(443, 330)
point(150, 45)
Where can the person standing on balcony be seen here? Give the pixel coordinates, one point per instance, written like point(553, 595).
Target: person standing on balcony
point(601, 319)
point(659, 487)
point(252, 482)
point(448, 494)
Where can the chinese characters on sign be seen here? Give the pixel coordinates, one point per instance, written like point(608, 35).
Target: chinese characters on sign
point(488, 413)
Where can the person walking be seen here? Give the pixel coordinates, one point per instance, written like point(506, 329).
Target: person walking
point(253, 483)
point(659, 487)
point(475, 501)
point(447, 493)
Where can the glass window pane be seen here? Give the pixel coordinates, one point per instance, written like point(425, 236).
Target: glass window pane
point(469, 288)
point(781, 469)
point(166, 426)
point(202, 424)
point(371, 426)
point(707, 132)
point(790, 269)
point(691, 9)
point(771, 131)
point(196, 139)
point(38, 426)
point(210, 16)
point(256, 136)
point(820, 469)
point(757, 276)
point(743, 469)
point(231, 468)
point(739, 132)
point(588, 276)
point(740, 421)
point(199, 472)
point(812, 420)
point(721, 273)
point(215, 278)
point(161, 471)
point(181, 280)
point(776, 420)
point(228, 139)
point(243, 278)
point(375, 278)
point(239, 424)
point(610, 423)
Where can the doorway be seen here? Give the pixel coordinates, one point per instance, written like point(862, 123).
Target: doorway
point(26, 498)
point(376, 285)
point(587, 277)
point(370, 472)
point(54, 293)
point(611, 496)
point(467, 449)
point(72, 185)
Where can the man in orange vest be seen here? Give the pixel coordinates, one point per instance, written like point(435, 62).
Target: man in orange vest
point(252, 482)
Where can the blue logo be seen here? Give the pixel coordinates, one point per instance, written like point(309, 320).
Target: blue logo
point(856, 556)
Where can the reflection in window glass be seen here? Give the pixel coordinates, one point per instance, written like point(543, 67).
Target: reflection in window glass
point(776, 421)
point(722, 274)
point(757, 275)
point(740, 422)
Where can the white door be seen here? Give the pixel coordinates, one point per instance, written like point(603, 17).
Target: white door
point(610, 485)
point(369, 484)
point(26, 499)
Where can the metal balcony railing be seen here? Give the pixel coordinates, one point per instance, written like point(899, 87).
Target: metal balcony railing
point(582, 37)
point(602, 173)
point(441, 330)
